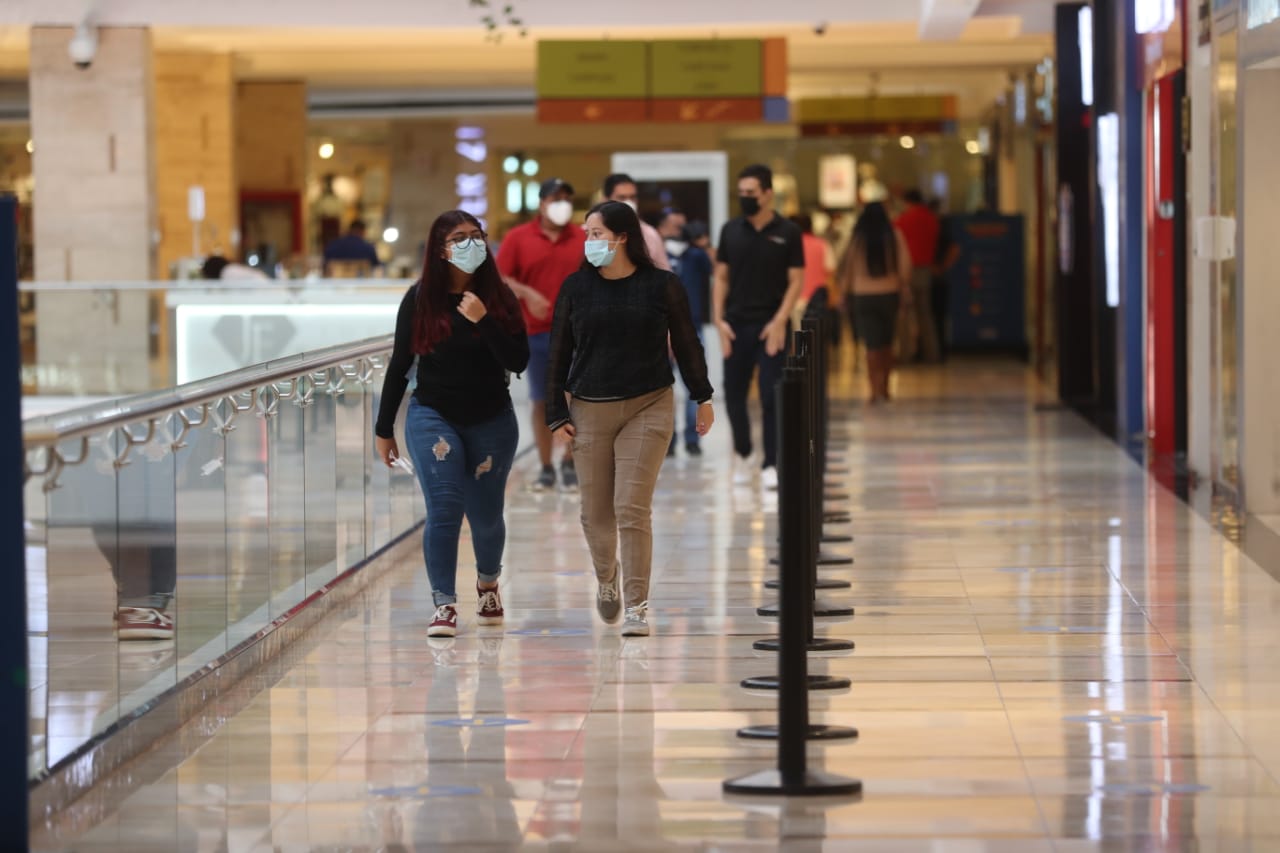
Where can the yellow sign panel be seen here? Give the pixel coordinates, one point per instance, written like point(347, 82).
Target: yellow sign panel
point(592, 69)
point(878, 109)
point(713, 68)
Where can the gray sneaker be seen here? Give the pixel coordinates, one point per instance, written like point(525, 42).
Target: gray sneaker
point(568, 476)
point(609, 598)
point(546, 481)
point(637, 624)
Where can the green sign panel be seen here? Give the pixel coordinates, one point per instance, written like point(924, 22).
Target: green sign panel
point(719, 68)
point(592, 69)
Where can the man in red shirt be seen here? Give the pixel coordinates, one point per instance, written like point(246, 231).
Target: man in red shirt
point(535, 259)
point(920, 226)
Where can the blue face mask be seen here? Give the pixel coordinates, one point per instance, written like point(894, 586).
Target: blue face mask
point(599, 254)
point(468, 256)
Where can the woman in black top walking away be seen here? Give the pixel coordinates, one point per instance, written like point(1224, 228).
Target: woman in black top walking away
point(609, 356)
point(465, 326)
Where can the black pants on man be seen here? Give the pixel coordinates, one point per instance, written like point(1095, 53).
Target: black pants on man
point(746, 356)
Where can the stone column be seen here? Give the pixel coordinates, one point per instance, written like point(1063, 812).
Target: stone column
point(195, 146)
point(94, 170)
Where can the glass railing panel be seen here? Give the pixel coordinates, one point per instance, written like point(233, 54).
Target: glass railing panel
point(378, 477)
point(248, 501)
point(320, 473)
point(352, 428)
point(81, 557)
point(286, 423)
point(146, 559)
point(200, 605)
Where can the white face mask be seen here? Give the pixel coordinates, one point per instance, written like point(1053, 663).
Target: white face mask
point(675, 248)
point(560, 212)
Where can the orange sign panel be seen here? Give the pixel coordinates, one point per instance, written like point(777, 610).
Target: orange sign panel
point(592, 111)
point(706, 109)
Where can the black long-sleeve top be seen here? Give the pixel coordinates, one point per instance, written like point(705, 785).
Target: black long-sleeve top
point(609, 340)
point(465, 377)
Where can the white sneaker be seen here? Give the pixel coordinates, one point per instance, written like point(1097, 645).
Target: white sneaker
point(769, 479)
point(637, 621)
point(743, 470)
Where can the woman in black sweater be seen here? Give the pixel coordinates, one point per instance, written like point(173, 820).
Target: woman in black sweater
point(609, 390)
point(465, 326)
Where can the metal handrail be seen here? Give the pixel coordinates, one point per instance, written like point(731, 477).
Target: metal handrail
point(50, 430)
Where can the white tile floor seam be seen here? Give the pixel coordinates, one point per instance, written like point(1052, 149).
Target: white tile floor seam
point(1053, 653)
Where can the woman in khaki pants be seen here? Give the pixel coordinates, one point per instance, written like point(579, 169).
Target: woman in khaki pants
point(609, 390)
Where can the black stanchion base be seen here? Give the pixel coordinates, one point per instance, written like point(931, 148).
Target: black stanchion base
point(769, 783)
point(834, 538)
point(816, 732)
point(824, 559)
point(816, 682)
point(823, 583)
point(817, 644)
point(821, 609)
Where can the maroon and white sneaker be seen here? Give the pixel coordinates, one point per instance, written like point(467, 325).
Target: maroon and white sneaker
point(143, 623)
point(444, 623)
point(489, 608)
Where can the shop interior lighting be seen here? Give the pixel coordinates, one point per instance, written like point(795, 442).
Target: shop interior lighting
point(1085, 33)
point(511, 165)
point(907, 142)
point(390, 234)
point(531, 167)
point(515, 196)
point(326, 150)
point(1109, 185)
point(31, 146)
point(973, 147)
point(531, 199)
point(1153, 16)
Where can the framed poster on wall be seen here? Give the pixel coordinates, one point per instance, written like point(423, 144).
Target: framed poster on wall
point(837, 181)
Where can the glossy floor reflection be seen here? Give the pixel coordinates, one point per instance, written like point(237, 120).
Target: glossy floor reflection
point(1053, 653)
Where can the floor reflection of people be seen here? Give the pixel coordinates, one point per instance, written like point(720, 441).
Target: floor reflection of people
point(621, 795)
point(468, 800)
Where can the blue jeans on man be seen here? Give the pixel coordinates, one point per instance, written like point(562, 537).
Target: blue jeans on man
point(463, 473)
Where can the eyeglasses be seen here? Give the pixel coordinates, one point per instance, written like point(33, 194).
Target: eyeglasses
point(462, 241)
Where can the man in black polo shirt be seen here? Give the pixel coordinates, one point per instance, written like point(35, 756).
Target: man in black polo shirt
point(759, 276)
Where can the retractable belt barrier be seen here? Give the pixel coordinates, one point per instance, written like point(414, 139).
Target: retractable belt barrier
point(801, 413)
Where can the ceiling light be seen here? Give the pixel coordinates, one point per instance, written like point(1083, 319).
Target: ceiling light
point(907, 142)
point(326, 150)
point(973, 147)
point(511, 165)
point(391, 234)
point(531, 167)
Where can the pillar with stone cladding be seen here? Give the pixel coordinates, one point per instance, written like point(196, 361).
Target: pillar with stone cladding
point(94, 170)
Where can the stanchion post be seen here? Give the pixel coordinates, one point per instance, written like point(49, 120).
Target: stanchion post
point(792, 776)
point(15, 693)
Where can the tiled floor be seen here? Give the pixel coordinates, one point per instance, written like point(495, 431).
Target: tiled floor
point(1052, 653)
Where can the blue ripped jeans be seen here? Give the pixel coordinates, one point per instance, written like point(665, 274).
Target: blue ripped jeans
point(463, 472)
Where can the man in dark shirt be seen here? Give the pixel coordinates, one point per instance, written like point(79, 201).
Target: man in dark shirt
point(759, 275)
point(351, 246)
point(687, 245)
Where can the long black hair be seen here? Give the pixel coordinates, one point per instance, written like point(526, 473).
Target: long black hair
point(433, 321)
point(621, 219)
point(875, 238)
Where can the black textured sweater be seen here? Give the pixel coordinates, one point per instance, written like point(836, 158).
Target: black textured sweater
point(609, 340)
point(465, 377)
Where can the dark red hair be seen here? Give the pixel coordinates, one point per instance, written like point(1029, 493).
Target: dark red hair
point(434, 311)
